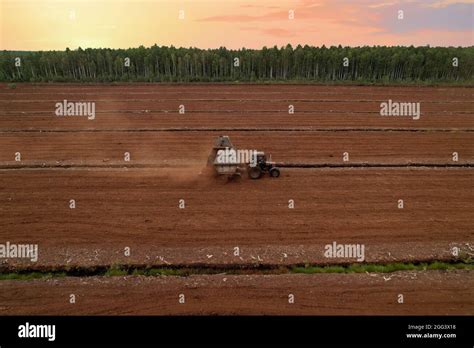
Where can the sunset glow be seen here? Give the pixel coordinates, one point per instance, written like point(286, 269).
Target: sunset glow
point(55, 25)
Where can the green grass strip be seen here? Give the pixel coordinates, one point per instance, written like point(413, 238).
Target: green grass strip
point(383, 268)
point(122, 270)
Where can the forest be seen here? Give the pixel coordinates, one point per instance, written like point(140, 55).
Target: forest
point(377, 64)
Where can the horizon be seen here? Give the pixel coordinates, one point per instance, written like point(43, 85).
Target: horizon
point(229, 49)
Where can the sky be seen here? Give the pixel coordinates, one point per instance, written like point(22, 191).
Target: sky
point(57, 24)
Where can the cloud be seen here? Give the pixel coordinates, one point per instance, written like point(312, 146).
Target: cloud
point(230, 18)
point(383, 4)
point(453, 17)
point(278, 32)
point(445, 3)
point(357, 17)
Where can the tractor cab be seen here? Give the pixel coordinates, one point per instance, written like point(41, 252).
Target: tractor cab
point(261, 158)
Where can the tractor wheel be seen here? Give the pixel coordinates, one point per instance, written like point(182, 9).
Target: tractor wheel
point(255, 172)
point(274, 172)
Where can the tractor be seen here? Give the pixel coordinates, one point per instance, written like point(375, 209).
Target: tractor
point(229, 161)
point(263, 166)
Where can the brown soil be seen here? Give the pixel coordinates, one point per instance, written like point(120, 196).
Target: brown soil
point(137, 207)
point(424, 293)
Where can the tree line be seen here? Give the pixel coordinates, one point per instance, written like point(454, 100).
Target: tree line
point(303, 63)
